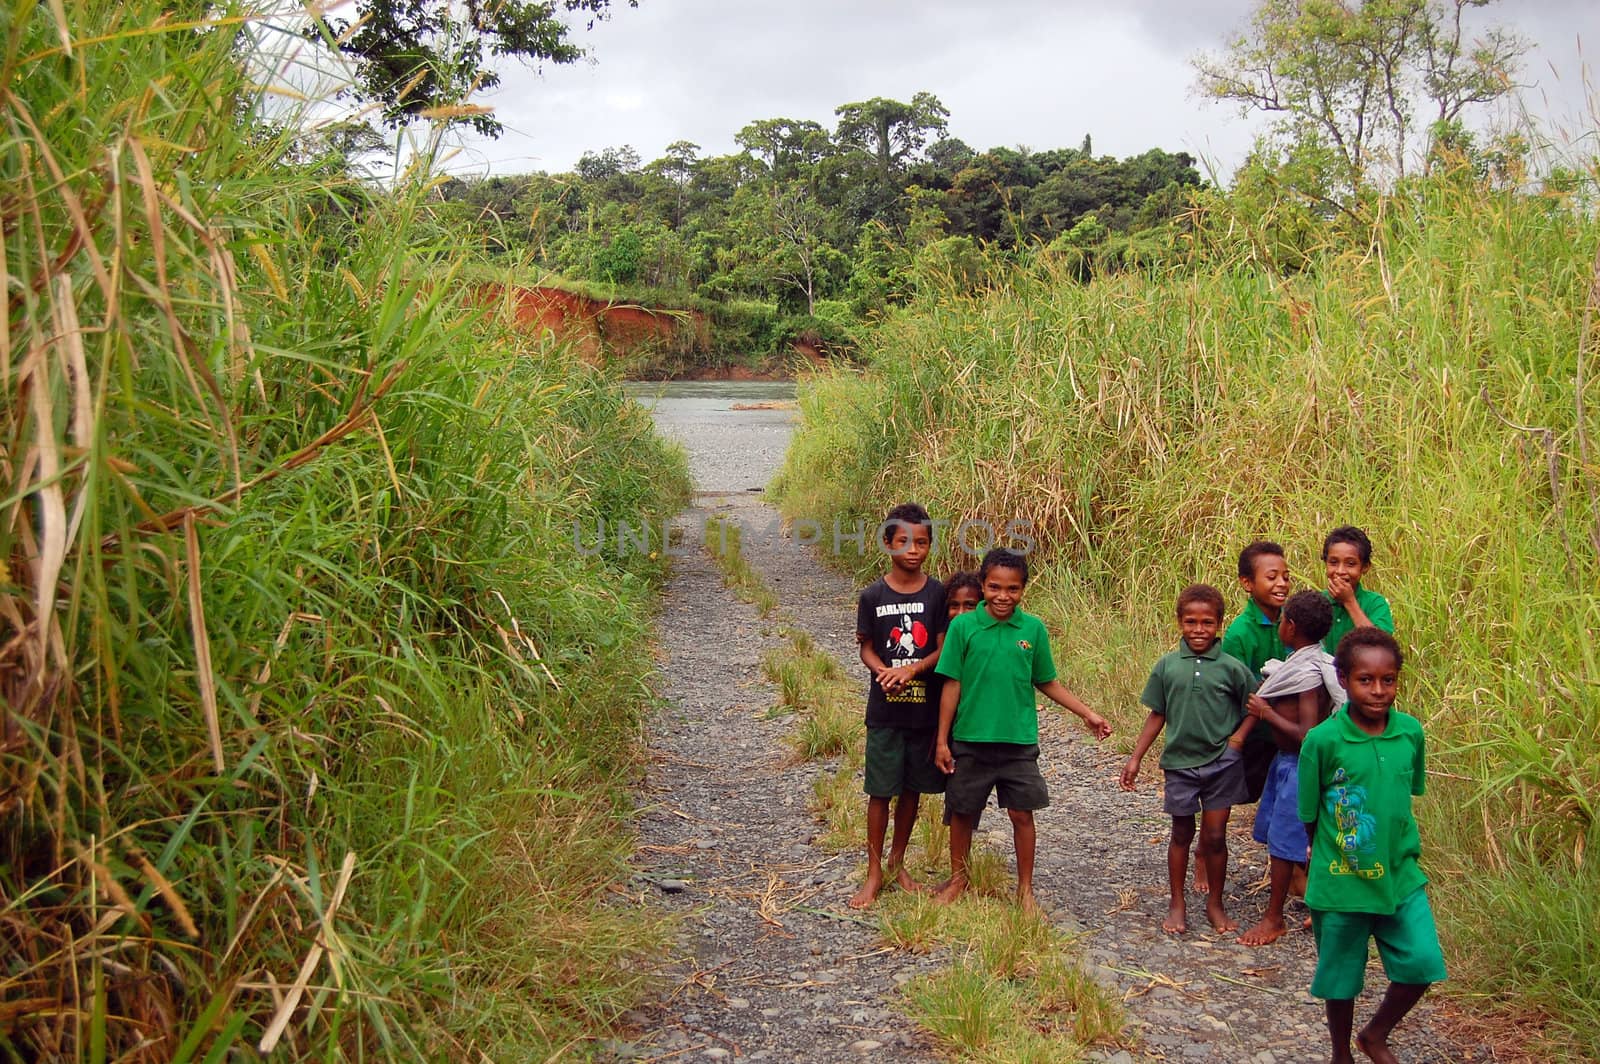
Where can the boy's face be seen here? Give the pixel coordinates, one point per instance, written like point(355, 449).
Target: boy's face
point(1199, 622)
point(1344, 564)
point(961, 600)
point(1269, 584)
point(1002, 590)
point(908, 546)
point(1370, 683)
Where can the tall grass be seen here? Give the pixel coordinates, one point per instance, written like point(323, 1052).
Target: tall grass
point(317, 726)
point(1430, 377)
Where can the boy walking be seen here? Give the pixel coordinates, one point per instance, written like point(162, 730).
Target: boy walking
point(1358, 772)
point(1197, 693)
point(1297, 695)
point(994, 659)
point(899, 628)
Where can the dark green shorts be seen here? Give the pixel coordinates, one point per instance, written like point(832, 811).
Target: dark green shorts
point(1408, 945)
point(1010, 770)
point(900, 760)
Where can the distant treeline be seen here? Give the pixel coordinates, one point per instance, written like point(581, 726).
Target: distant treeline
point(828, 223)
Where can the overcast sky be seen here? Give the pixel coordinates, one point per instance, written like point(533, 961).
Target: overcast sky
point(1040, 73)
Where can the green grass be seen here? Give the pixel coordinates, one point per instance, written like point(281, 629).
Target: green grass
point(1425, 377)
point(723, 542)
point(307, 671)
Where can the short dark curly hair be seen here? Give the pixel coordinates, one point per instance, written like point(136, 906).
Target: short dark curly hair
point(1362, 639)
point(1260, 548)
point(1352, 535)
point(907, 515)
point(1001, 558)
point(965, 578)
point(1202, 593)
point(1311, 613)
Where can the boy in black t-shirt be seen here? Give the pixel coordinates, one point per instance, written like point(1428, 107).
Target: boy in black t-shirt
point(900, 621)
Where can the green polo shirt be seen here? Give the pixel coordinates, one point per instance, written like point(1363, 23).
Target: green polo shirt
point(1358, 788)
point(1374, 605)
point(997, 664)
point(1253, 639)
point(1202, 696)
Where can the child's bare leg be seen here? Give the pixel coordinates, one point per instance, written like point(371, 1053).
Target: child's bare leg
point(1271, 928)
point(877, 824)
point(1399, 999)
point(1025, 838)
point(1201, 885)
point(1177, 921)
point(905, 818)
point(1214, 839)
point(1341, 1017)
point(960, 850)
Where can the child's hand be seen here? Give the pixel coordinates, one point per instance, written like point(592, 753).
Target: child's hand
point(1130, 773)
point(943, 759)
point(1343, 589)
point(1098, 726)
point(1255, 705)
point(892, 680)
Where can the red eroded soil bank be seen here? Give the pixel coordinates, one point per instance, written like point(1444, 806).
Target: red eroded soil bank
point(649, 342)
point(601, 330)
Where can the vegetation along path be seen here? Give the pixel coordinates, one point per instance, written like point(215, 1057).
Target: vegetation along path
point(771, 964)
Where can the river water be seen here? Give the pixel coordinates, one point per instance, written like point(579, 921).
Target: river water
point(729, 450)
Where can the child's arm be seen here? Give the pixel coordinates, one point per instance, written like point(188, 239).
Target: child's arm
point(1308, 704)
point(1147, 735)
point(1057, 692)
point(942, 758)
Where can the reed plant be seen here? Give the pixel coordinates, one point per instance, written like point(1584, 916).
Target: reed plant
point(317, 725)
point(1429, 375)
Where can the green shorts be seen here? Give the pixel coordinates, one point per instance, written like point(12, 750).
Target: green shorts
point(1009, 770)
point(1408, 944)
point(900, 760)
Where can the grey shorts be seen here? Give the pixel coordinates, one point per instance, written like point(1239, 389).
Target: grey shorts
point(1217, 785)
point(1010, 770)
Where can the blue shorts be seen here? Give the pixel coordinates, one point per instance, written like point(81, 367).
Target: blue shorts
point(1278, 823)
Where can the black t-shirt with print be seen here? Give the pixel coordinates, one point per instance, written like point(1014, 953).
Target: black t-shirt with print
point(903, 629)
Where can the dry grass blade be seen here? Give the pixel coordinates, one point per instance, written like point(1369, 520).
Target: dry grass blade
point(280, 1019)
point(169, 893)
point(52, 547)
point(202, 644)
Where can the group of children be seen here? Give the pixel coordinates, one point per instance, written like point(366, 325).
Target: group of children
point(1290, 708)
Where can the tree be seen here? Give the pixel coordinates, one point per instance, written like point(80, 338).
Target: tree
point(1350, 78)
point(787, 146)
point(413, 57)
point(890, 131)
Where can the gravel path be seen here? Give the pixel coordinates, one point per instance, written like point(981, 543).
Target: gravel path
point(771, 965)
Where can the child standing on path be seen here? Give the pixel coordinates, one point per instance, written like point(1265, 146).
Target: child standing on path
point(994, 658)
point(1358, 772)
point(1297, 695)
point(900, 621)
point(1346, 557)
point(1197, 692)
point(1253, 639)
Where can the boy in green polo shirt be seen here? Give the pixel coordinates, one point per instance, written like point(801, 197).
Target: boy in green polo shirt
point(993, 660)
point(1358, 772)
point(1346, 556)
point(1197, 693)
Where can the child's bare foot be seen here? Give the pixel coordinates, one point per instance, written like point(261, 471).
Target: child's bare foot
point(1177, 921)
point(950, 891)
point(1377, 1050)
point(1202, 882)
point(1027, 903)
point(1221, 922)
point(1268, 931)
point(869, 890)
point(903, 880)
